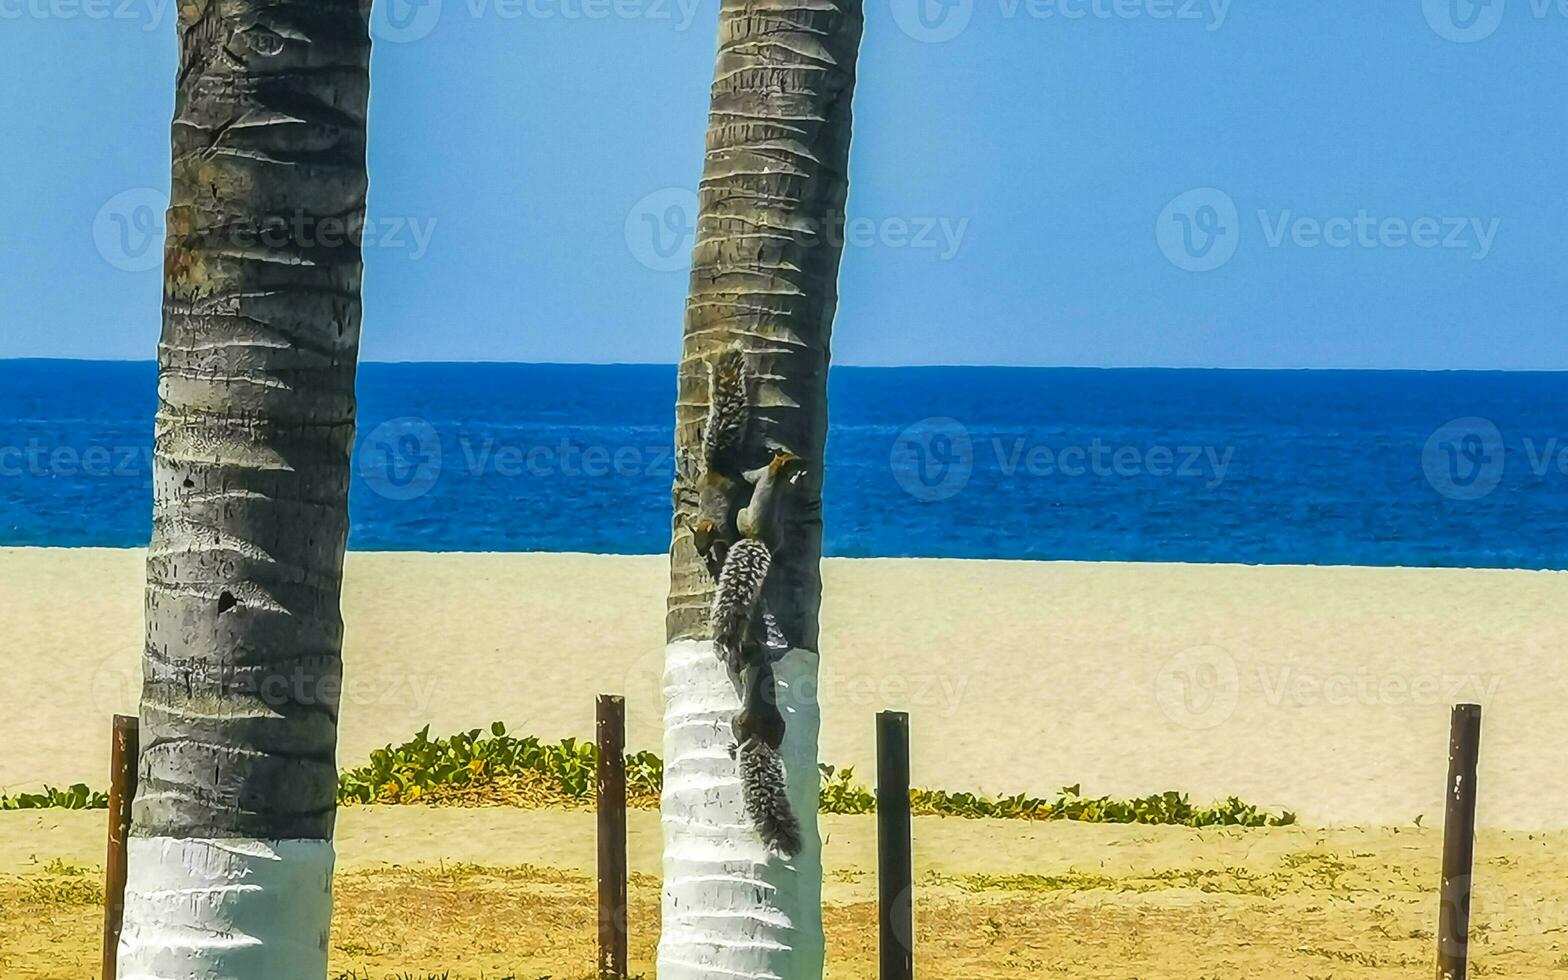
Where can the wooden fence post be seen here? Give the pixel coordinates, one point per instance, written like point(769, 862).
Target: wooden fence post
point(611, 790)
point(895, 848)
point(1453, 921)
point(122, 792)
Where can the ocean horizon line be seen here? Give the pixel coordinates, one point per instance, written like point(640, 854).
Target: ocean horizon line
point(1148, 368)
point(949, 559)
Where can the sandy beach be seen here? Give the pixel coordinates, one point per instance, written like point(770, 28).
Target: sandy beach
point(509, 893)
point(1320, 690)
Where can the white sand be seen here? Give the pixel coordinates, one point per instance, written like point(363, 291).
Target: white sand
point(1323, 690)
point(377, 836)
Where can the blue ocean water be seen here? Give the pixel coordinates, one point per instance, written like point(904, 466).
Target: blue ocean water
point(1323, 467)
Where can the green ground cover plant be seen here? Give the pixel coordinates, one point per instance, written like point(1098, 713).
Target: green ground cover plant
point(496, 768)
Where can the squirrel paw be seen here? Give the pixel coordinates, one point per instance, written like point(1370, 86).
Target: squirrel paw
point(775, 643)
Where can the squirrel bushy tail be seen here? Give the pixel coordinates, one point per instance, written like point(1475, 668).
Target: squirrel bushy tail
point(727, 406)
point(762, 782)
point(759, 734)
point(739, 589)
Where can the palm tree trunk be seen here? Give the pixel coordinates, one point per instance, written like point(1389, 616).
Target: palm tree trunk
point(231, 852)
point(764, 280)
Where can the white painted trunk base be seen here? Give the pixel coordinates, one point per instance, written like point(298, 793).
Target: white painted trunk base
point(227, 909)
point(732, 908)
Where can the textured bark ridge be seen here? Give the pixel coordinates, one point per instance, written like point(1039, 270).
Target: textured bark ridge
point(765, 275)
point(255, 421)
point(764, 284)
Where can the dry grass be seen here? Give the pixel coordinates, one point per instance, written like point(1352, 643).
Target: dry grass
point(525, 790)
point(1329, 912)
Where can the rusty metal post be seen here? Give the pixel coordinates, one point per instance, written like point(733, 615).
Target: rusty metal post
point(611, 787)
point(122, 791)
point(1453, 920)
point(895, 848)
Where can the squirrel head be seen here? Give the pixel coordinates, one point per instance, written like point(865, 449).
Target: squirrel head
point(786, 466)
point(703, 533)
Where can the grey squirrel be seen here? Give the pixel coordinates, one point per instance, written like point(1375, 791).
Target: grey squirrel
point(742, 627)
point(759, 733)
point(738, 539)
point(721, 484)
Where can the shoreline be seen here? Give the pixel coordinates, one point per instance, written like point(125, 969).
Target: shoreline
point(6, 549)
point(1323, 690)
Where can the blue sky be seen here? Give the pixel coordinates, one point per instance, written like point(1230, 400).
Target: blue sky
point(1248, 183)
